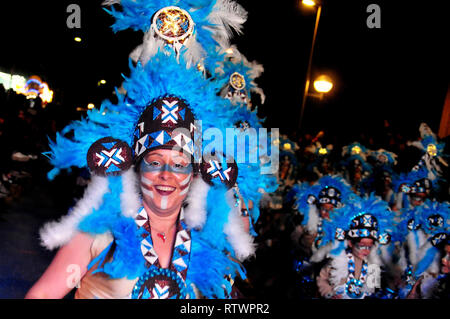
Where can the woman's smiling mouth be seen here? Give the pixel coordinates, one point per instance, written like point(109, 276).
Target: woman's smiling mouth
point(164, 190)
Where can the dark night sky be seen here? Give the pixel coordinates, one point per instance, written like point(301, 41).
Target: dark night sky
point(398, 72)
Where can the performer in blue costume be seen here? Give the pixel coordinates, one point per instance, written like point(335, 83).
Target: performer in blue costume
point(158, 220)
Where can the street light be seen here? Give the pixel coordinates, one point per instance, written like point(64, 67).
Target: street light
point(323, 84)
point(77, 39)
point(309, 3)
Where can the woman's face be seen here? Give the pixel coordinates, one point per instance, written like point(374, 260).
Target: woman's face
point(362, 248)
point(165, 179)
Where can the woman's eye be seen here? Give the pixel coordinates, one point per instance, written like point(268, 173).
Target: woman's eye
point(179, 165)
point(152, 163)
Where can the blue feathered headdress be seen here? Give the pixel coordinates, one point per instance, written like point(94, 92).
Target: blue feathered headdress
point(209, 23)
point(339, 183)
point(373, 219)
point(434, 217)
point(434, 220)
point(356, 151)
point(164, 76)
point(408, 180)
point(235, 66)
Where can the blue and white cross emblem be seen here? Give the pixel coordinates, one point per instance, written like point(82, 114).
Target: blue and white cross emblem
point(216, 170)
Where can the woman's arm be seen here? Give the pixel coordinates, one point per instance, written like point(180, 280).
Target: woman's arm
point(65, 270)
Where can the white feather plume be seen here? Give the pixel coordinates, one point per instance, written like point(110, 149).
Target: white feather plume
point(58, 233)
point(313, 219)
point(227, 15)
point(130, 201)
point(238, 237)
point(195, 213)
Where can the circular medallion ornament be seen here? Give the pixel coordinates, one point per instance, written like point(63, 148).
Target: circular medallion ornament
point(173, 24)
point(384, 238)
point(354, 288)
point(237, 81)
point(159, 283)
point(412, 225)
point(435, 221)
point(439, 238)
point(109, 157)
point(219, 168)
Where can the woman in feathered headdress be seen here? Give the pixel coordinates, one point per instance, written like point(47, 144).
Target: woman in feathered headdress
point(355, 231)
point(426, 237)
point(315, 203)
point(156, 221)
point(433, 158)
point(413, 188)
point(355, 165)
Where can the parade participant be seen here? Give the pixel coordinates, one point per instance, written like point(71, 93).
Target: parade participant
point(380, 181)
point(433, 158)
point(316, 203)
point(355, 231)
point(355, 166)
point(423, 248)
point(189, 236)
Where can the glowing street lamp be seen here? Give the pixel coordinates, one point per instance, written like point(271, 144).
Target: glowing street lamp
point(323, 84)
point(77, 39)
point(90, 106)
point(309, 3)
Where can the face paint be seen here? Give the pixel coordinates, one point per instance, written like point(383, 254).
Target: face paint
point(165, 180)
point(363, 248)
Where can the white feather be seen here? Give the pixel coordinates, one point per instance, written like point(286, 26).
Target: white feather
point(195, 213)
point(313, 219)
point(339, 269)
point(110, 2)
point(240, 240)
point(57, 233)
point(321, 253)
point(227, 15)
point(130, 201)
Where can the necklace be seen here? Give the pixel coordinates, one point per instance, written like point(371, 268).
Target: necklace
point(157, 282)
point(161, 234)
point(354, 287)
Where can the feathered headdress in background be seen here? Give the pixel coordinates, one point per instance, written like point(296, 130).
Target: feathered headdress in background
point(362, 218)
point(328, 189)
point(238, 76)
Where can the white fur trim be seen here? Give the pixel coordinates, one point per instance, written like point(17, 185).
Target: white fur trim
point(130, 201)
point(58, 233)
point(321, 253)
point(313, 219)
point(240, 240)
point(195, 213)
